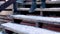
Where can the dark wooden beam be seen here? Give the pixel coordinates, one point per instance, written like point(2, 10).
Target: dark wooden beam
point(6, 4)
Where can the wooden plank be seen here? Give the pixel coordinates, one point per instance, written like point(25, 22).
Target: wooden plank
point(47, 2)
point(39, 9)
point(2, 20)
point(29, 3)
point(48, 20)
point(6, 13)
point(52, 2)
point(2, 17)
point(23, 29)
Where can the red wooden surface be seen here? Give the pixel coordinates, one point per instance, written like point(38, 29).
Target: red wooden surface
point(27, 23)
point(52, 27)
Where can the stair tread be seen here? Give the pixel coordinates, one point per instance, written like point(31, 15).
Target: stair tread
point(39, 9)
point(49, 20)
point(47, 2)
point(26, 29)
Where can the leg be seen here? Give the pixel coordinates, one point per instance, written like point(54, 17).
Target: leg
point(43, 4)
point(15, 7)
point(33, 6)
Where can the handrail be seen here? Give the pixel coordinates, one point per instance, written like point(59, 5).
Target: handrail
point(6, 4)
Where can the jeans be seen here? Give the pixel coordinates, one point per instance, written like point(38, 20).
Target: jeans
point(14, 7)
point(17, 1)
point(34, 6)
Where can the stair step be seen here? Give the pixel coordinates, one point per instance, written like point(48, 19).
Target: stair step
point(48, 20)
point(39, 9)
point(29, 3)
point(47, 2)
point(2, 20)
point(24, 29)
point(52, 2)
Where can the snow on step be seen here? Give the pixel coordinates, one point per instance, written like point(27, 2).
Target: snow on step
point(27, 29)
